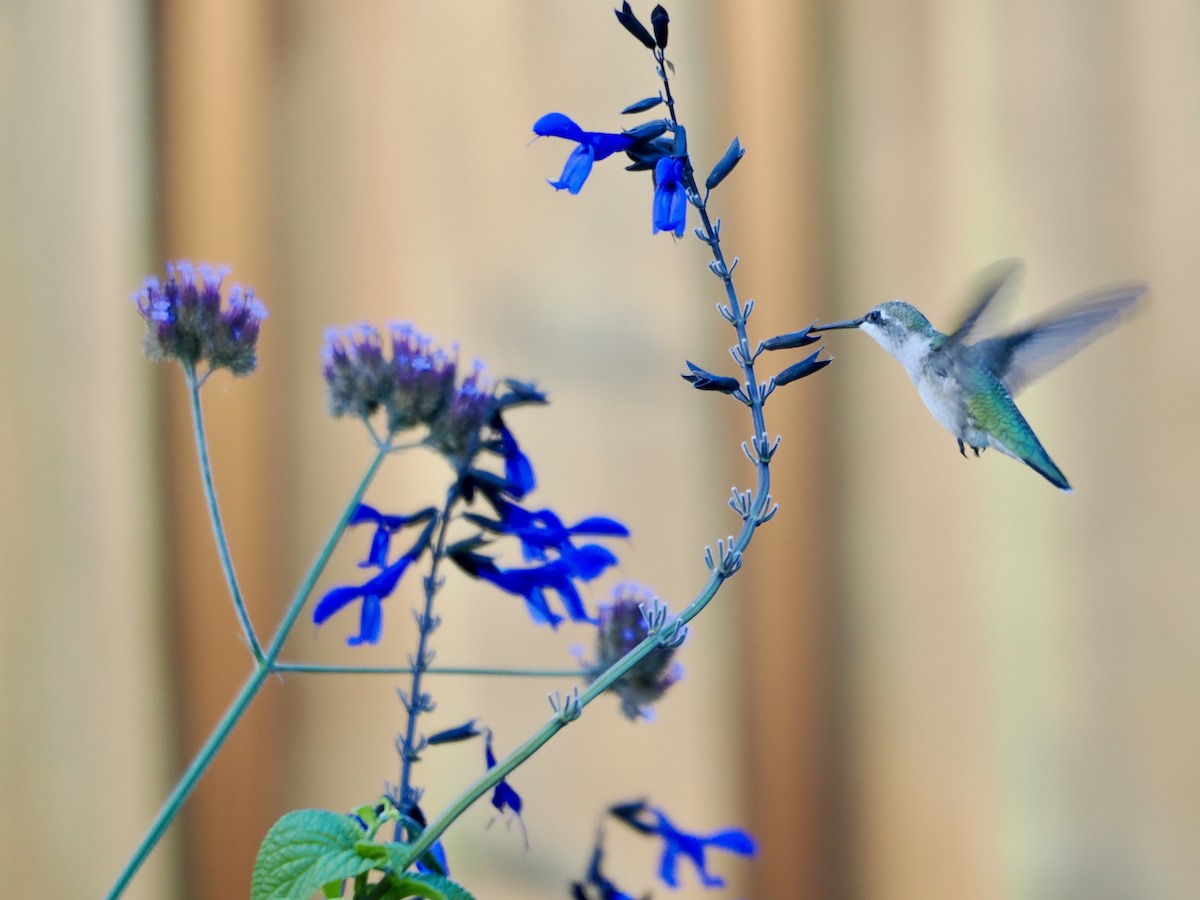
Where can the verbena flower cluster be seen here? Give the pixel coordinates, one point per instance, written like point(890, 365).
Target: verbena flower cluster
point(414, 382)
point(187, 321)
point(625, 623)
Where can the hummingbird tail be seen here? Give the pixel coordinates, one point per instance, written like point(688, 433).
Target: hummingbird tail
point(1044, 466)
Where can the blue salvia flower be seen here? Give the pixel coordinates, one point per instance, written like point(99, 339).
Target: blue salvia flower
point(371, 593)
point(385, 527)
point(533, 582)
point(676, 843)
point(596, 885)
point(542, 530)
point(504, 797)
point(518, 470)
point(670, 196)
point(593, 146)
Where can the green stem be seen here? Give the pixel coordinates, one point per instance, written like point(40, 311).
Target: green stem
point(264, 666)
point(214, 512)
point(313, 669)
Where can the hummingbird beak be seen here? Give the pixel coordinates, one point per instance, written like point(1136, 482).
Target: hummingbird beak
point(833, 326)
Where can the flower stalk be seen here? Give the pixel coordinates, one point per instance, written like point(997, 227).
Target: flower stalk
point(263, 667)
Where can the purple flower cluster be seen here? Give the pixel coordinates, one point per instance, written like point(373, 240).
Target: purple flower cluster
point(622, 627)
point(414, 382)
point(186, 320)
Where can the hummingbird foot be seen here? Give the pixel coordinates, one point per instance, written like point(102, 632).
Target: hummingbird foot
point(962, 448)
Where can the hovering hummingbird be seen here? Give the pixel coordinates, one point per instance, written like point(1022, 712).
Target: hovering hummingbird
point(968, 380)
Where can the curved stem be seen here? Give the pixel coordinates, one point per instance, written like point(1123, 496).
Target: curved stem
point(759, 509)
point(314, 669)
point(214, 512)
point(264, 666)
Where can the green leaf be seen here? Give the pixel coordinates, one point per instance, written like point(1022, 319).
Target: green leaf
point(432, 887)
point(305, 851)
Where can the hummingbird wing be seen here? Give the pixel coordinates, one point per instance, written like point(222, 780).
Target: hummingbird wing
point(997, 282)
point(1041, 344)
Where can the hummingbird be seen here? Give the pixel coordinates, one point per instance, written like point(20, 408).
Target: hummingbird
point(968, 378)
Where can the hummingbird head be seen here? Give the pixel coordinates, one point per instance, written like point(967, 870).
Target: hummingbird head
point(897, 327)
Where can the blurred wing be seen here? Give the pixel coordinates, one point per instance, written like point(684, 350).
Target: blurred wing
point(1038, 346)
point(991, 298)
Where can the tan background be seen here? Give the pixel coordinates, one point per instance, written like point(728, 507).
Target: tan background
point(935, 679)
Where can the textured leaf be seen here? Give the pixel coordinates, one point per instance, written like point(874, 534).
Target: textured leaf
point(304, 851)
point(433, 887)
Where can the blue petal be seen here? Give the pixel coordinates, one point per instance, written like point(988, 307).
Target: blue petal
point(573, 603)
point(600, 525)
point(667, 868)
point(518, 471)
point(604, 145)
point(576, 170)
point(370, 622)
point(381, 543)
point(539, 609)
point(385, 582)
point(589, 561)
point(504, 796)
point(334, 601)
point(365, 513)
point(734, 840)
point(670, 199)
point(438, 852)
point(557, 125)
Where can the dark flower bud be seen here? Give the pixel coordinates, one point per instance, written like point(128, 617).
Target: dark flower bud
point(518, 394)
point(185, 319)
point(792, 340)
point(642, 105)
point(453, 735)
point(646, 154)
point(622, 627)
point(648, 131)
point(725, 164)
point(707, 381)
point(626, 17)
point(658, 21)
point(679, 148)
point(799, 370)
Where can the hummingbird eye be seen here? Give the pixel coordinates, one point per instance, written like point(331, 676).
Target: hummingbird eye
point(874, 317)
